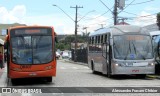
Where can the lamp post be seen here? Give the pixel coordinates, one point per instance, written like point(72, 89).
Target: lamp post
point(75, 21)
point(64, 12)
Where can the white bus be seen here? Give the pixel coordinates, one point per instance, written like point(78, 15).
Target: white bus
point(121, 49)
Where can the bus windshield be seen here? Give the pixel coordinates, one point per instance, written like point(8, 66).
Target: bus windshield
point(132, 47)
point(31, 49)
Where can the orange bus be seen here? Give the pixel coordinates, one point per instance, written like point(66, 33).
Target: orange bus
point(31, 52)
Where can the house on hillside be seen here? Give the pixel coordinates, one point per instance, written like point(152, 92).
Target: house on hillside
point(122, 23)
point(6, 26)
point(152, 27)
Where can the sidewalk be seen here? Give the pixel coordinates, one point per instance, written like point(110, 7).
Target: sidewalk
point(70, 61)
point(2, 70)
point(3, 76)
point(155, 76)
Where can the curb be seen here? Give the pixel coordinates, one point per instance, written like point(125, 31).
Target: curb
point(153, 76)
point(80, 63)
point(1, 71)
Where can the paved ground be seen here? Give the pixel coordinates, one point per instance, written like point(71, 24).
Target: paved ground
point(76, 75)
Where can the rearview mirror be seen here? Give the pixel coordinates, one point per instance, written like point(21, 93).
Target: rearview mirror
point(56, 39)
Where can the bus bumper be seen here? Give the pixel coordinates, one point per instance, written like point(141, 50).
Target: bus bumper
point(18, 74)
point(133, 70)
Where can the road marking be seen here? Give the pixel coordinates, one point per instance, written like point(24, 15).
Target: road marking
point(63, 68)
point(86, 67)
point(75, 68)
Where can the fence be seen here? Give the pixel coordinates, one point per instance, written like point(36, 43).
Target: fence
point(82, 55)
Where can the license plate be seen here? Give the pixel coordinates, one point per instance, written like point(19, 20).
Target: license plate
point(140, 64)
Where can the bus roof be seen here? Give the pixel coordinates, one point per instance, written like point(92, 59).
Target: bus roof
point(153, 33)
point(121, 29)
point(30, 27)
point(100, 31)
point(125, 29)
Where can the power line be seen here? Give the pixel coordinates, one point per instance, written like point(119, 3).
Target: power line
point(139, 16)
point(148, 15)
point(141, 2)
point(142, 16)
point(129, 13)
point(127, 6)
point(102, 21)
point(99, 15)
point(85, 15)
point(106, 6)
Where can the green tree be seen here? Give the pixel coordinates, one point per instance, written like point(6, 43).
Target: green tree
point(65, 44)
point(158, 20)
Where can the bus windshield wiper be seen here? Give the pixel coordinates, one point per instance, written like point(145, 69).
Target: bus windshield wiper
point(135, 49)
point(129, 49)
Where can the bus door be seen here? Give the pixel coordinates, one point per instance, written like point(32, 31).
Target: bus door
point(104, 55)
point(156, 46)
point(106, 52)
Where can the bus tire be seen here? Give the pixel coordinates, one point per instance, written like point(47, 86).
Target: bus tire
point(49, 79)
point(14, 81)
point(141, 75)
point(92, 67)
point(108, 72)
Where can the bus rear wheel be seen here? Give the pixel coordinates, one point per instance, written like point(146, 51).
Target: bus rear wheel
point(141, 75)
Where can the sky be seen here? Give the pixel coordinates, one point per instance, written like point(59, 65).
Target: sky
point(93, 14)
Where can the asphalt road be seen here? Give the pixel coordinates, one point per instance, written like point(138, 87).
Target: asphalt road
point(80, 79)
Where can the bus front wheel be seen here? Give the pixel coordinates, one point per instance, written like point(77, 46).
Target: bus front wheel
point(108, 72)
point(141, 75)
point(93, 69)
point(49, 79)
point(14, 81)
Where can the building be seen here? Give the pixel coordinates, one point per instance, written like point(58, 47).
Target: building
point(122, 23)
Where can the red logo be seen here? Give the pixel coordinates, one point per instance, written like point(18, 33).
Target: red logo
point(135, 70)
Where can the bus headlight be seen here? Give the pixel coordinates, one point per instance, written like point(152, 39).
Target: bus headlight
point(116, 65)
point(151, 64)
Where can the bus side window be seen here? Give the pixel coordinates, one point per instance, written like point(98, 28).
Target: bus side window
point(99, 45)
point(101, 39)
point(107, 42)
point(105, 38)
point(104, 50)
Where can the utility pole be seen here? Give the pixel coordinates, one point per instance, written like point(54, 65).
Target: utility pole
point(122, 19)
point(102, 25)
point(76, 21)
point(85, 28)
point(115, 12)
